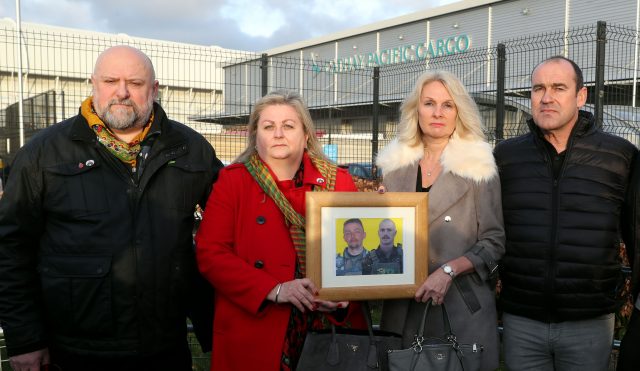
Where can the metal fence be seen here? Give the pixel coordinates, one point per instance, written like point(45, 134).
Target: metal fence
point(355, 106)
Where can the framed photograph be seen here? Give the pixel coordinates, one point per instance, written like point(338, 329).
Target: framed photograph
point(365, 246)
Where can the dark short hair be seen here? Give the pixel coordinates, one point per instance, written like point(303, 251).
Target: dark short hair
point(578, 77)
point(353, 220)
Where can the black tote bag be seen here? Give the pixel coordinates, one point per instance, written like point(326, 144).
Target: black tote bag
point(436, 354)
point(341, 349)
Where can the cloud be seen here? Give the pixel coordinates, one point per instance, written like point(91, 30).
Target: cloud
point(254, 17)
point(347, 10)
point(63, 13)
point(252, 25)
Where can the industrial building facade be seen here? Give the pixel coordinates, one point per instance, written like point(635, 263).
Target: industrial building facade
point(353, 80)
point(445, 32)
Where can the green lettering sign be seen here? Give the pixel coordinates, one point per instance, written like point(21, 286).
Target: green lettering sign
point(400, 54)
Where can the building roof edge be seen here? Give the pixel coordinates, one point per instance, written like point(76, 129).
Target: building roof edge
point(388, 23)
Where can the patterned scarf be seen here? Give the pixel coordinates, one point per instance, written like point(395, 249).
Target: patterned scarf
point(296, 222)
point(125, 152)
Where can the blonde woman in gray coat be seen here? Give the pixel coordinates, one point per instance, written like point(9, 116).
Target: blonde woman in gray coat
point(441, 149)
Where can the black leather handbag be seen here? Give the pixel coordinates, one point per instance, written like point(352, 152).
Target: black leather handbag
point(436, 354)
point(348, 349)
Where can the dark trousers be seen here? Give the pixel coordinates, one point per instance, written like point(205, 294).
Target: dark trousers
point(629, 357)
point(176, 359)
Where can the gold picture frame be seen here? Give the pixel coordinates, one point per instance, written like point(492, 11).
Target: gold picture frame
point(325, 213)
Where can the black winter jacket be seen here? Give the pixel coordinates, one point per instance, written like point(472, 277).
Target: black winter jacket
point(94, 261)
point(562, 235)
point(631, 229)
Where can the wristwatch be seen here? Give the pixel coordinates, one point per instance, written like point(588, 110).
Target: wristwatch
point(448, 270)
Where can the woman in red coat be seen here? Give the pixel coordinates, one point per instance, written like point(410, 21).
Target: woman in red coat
point(250, 244)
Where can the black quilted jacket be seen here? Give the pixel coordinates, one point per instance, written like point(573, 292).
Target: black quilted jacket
point(93, 260)
point(562, 235)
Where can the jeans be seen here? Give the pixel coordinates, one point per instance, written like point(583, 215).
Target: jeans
point(583, 345)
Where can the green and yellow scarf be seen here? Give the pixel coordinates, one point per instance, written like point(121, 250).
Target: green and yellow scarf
point(261, 174)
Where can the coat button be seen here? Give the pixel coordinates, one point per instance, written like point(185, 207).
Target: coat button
point(261, 220)
point(258, 264)
point(447, 218)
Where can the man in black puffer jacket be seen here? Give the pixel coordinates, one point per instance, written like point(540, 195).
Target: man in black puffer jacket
point(97, 265)
point(563, 188)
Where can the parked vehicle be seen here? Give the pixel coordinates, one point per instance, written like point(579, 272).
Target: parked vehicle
point(362, 170)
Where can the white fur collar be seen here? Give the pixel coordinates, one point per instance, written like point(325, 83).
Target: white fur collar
point(471, 159)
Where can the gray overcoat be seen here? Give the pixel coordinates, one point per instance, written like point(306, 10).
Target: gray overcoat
point(465, 218)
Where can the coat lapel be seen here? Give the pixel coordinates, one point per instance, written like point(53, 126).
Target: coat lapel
point(403, 179)
point(444, 193)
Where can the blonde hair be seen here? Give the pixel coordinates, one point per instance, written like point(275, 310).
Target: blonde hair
point(468, 121)
point(281, 97)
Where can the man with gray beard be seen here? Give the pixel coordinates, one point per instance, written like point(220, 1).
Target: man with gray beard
point(97, 266)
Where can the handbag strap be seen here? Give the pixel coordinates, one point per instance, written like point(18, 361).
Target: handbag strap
point(372, 357)
point(445, 320)
point(451, 338)
point(333, 356)
point(367, 316)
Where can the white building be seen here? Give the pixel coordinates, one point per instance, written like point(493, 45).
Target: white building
point(57, 64)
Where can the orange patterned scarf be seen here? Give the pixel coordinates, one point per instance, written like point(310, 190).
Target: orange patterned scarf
point(125, 152)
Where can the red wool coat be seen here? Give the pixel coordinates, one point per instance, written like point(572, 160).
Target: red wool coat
point(244, 249)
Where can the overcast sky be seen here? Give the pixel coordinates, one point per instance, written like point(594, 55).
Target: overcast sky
point(252, 25)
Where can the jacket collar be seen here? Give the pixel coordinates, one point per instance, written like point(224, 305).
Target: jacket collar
point(467, 158)
point(585, 125)
point(446, 191)
point(311, 175)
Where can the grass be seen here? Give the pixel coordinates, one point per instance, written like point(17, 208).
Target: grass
point(201, 361)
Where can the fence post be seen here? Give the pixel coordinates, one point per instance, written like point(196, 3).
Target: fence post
point(62, 105)
point(264, 68)
point(601, 41)
point(500, 76)
point(375, 120)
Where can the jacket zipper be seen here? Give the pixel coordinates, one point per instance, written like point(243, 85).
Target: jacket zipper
point(554, 240)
